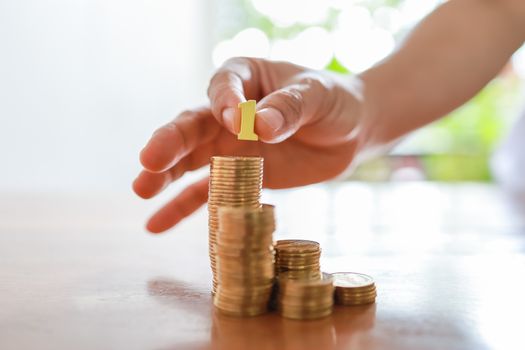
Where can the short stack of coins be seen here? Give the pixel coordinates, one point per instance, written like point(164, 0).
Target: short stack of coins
point(354, 288)
point(234, 182)
point(309, 297)
point(245, 260)
point(297, 257)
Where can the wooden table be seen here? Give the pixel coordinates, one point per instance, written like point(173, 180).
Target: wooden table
point(78, 272)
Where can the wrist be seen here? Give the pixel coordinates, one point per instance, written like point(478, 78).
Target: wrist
point(374, 132)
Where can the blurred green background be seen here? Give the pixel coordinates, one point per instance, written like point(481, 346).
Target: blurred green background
point(349, 37)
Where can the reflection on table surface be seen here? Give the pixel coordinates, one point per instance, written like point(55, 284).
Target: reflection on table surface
point(78, 272)
point(271, 331)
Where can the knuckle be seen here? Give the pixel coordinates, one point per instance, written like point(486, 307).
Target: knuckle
point(234, 61)
point(187, 113)
point(240, 60)
point(292, 100)
point(176, 129)
point(316, 81)
point(244, 67)
point(180, 120)
point(221, 87)
point(219, 80)
point(216, 80)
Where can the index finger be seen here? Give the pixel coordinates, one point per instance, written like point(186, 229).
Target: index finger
point(178, 138)
point(231, 85)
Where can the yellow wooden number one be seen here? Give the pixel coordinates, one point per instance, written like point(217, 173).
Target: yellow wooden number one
point(247, 121)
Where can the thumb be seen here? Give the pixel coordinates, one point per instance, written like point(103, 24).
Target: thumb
point(283, 112)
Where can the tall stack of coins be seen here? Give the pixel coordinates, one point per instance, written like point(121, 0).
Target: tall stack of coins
point(354, 288)
point(309, 297)
point(234, 182)
point(297, 257)
point(245, 260)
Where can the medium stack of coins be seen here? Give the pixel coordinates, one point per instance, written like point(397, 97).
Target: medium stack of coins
point(234, 182)
point(354, 288)
point(309, 297)
point(297, 257)
point(245, 260)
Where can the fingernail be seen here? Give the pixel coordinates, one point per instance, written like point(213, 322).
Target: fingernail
point(228, 117)
point(272, 117)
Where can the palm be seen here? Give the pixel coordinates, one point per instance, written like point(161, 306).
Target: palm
point(293, 162)
point(310, 143)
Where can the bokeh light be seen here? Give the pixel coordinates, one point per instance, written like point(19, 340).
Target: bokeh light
point(413, 10)
point(312, 48)
point(359, 41)
point(250, 42)
point(518, 62)
point(388, 18)
point(288, 12)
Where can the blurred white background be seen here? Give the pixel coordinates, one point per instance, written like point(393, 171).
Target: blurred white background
point(83, 84)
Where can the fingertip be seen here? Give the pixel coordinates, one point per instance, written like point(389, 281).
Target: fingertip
point(160, 222)
point(149, 162)
point(180, 207)
point(153, 231)
point(149, 184)
point(135, 186)
point(139, 191)
point(155, 228)
point(269, 124)
point(163, 149)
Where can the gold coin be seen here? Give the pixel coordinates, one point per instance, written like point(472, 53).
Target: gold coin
point(237, 163)
point(311, 280)
point(228, 172)
point(248, 245)
point(297, 246)
point(256, 299)
point(353, 302)
point(350, 300)
point(240, 247)
point(222, 198)
point(236, 159)
point(301, 274)
point(242, 312)
point(354, 288)
point(246, 267)
point(351, 280)
point(219, 175)
point(286, 255)
point(235, 193)
point(235, 183)
point(357, 293)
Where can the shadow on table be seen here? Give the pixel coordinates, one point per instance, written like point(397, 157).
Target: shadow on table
point(343, 329)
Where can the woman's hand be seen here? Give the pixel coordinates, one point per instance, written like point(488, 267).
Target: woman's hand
point(305, 121)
